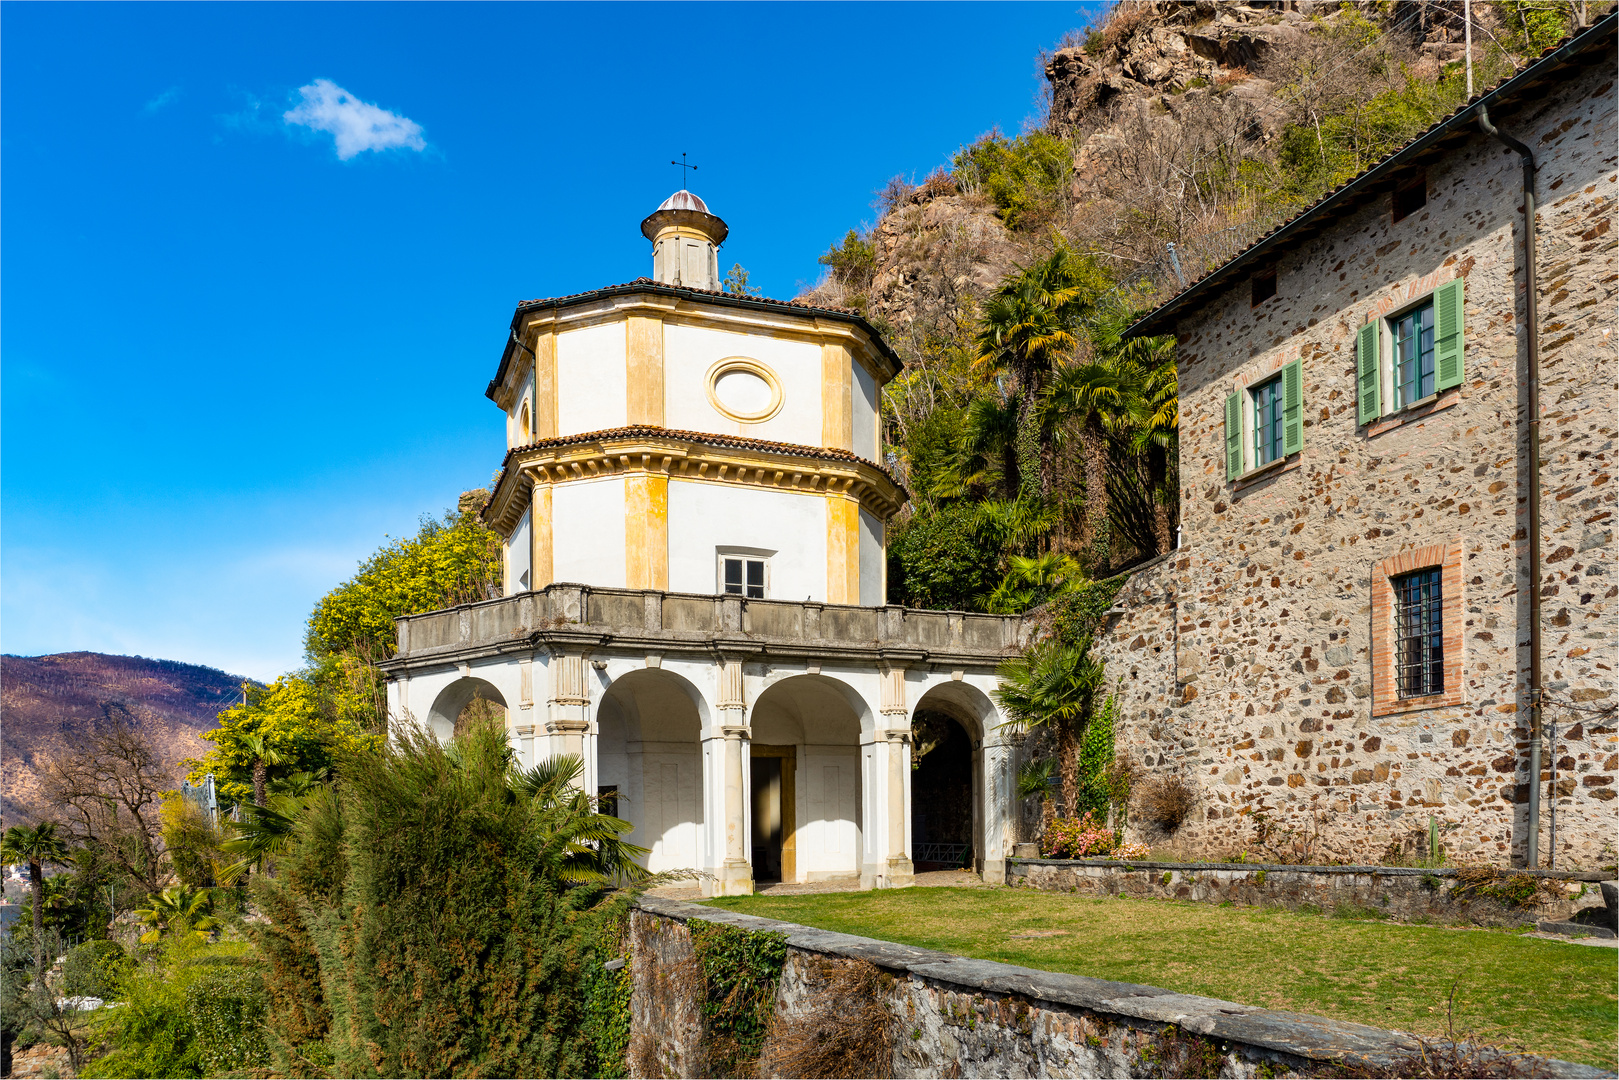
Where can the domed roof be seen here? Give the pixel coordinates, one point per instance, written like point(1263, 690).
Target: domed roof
point(685, 200)
point(686, 209)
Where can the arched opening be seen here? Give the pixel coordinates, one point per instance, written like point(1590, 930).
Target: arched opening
point(804, 798)
point(941, 792)
point(463, 702)
point(650, 765)
point(948, 830)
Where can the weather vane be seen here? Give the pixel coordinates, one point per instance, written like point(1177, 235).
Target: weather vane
point(683, 166)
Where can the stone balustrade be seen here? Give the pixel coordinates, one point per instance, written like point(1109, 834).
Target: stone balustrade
point(663, 621)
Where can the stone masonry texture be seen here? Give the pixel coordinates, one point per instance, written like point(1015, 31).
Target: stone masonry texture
point(955, 1016)
point(1245, 662)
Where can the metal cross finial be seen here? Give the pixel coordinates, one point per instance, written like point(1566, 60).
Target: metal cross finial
point(683, 166)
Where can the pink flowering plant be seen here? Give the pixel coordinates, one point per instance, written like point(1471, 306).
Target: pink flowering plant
point(1079, 838)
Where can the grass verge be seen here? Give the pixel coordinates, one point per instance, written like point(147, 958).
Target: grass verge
point(1548, 997)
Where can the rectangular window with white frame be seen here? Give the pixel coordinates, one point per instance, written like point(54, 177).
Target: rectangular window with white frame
point(744, 575)
point(1264, 422)
point(1410, 356)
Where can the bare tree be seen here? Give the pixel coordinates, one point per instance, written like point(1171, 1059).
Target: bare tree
point(107, 784)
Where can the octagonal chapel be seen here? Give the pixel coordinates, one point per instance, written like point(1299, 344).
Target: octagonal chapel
point(694, 523)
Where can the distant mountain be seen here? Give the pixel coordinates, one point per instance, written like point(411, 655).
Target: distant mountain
point(43, 698)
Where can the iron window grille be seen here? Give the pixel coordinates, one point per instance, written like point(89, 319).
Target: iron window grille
point(1419, 634)
point(1268, 413)
point(1413, 355)
point(743, 577)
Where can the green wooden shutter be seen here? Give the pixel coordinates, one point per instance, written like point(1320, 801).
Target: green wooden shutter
point(1368, 373)
point(1447, 332)
point(1233, 436)
point(1293, 407)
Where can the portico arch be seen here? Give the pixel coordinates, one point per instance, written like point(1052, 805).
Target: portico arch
point(949, 813)
point(805, 811)
point(454, 700)
point(649, 727)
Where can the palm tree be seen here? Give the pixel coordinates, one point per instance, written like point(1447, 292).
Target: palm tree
point(1124, 398)
point(179, 910)
point(1052, 685)
point(1034, 779)
point(265, 754)
point(579, 843)
point(989, 436)
point(1151, 413)
point(35, 846)
point(1030, 326)
point(1032, 580)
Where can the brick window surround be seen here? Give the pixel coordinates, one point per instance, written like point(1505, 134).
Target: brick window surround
point(1386, 700)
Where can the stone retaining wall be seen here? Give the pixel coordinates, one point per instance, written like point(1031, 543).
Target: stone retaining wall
point(953, 1016)
point(1396, 892)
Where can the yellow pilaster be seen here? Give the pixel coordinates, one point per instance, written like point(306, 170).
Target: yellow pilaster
point(837, 416)
point(842, 550)
point(646, 531)
point(644, 374)
point(540, 522)
point(545, 395)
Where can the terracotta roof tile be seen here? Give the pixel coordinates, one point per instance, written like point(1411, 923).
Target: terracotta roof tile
point(795, 304)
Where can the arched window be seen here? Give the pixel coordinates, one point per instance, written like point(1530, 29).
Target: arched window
point(523, 425)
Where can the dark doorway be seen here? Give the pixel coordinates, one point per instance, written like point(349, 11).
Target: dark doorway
point(771, 774)
point(941, 793)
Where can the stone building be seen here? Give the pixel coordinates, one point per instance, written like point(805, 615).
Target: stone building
point(694, 522)
point(1345, 638)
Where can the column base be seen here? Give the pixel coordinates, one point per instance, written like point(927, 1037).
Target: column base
point(898, 874)
point(733, 879)
point(994, 871)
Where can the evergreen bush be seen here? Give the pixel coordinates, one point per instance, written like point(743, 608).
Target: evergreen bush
point(441, 915)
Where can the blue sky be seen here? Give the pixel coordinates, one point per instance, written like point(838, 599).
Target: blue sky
point(259, 259)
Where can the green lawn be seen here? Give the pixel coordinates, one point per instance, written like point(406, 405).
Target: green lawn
point(1549, 997)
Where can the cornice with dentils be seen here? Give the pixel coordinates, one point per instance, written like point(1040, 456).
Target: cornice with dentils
point(688, 455)
point(683, 301)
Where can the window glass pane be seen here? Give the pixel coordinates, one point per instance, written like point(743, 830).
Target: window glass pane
point(1419, 632)
point(1413, 356)
point(733, 576)
point(1267, 422)
point(756, 579)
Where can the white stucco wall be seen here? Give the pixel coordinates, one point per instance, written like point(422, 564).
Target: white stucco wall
point(704, 517)
point(648, 739)
point(873, 568)
point(864, 414)
point(587, 535)
point(519, 556)
point(688, 353)
point(514, 418)
point(591, 379)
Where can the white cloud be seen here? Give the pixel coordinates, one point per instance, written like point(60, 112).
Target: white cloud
point(356, 125)
point(167, 97)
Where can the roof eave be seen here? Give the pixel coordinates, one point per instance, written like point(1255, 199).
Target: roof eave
point(780, 307)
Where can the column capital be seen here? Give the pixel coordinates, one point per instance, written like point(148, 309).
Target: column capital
point(736, 731)
point(896, 735)
point(561, 725)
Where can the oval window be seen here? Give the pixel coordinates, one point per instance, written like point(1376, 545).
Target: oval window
point(744, 390)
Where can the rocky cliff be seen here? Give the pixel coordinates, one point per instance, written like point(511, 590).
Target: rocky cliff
point(1158, 107)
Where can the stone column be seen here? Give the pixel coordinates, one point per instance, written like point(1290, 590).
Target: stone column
point(898, 871)
point(735, 876)
point(567, 711)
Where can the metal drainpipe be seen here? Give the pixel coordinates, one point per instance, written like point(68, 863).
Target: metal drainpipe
point(1532, 313)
